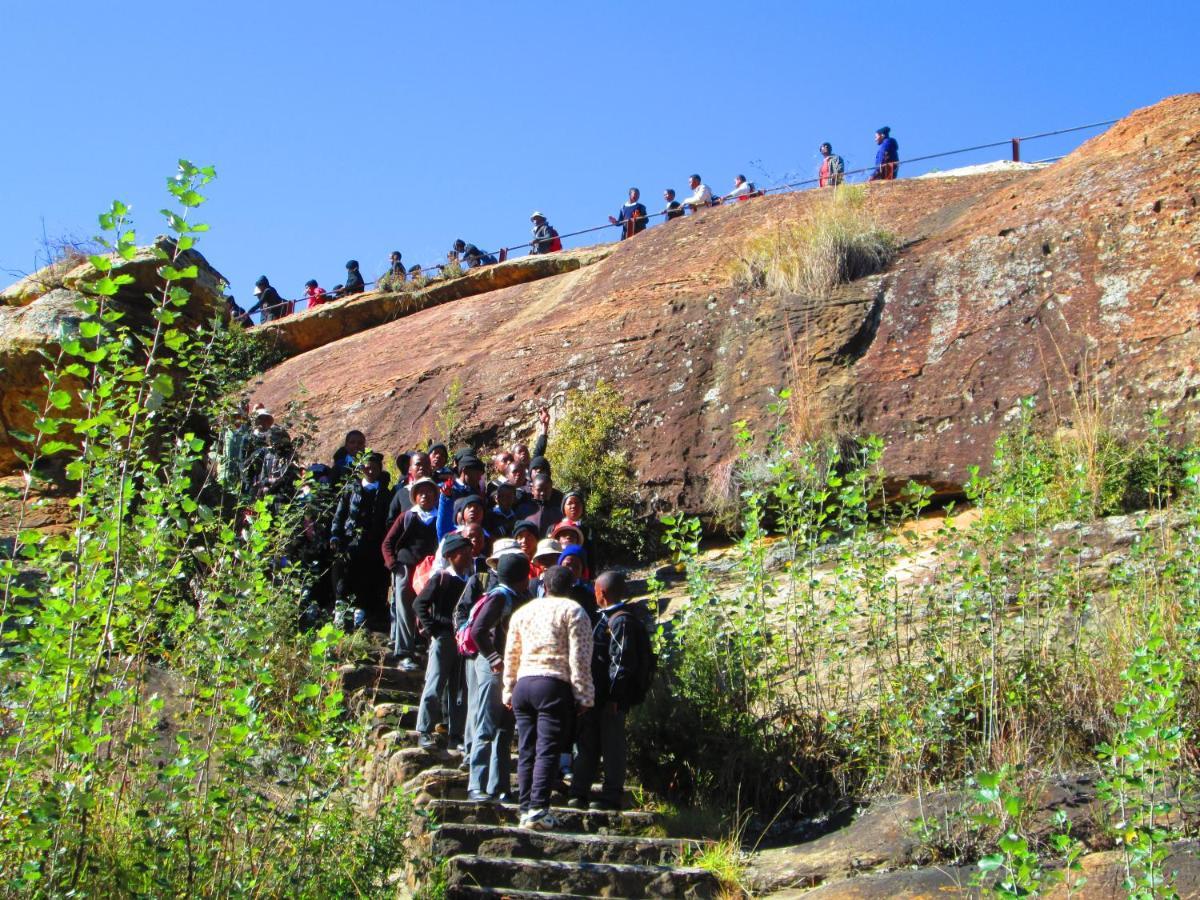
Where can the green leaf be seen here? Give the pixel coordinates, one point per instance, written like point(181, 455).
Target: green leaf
point(991, 863)
point(60, 399)
point(52, 447)
point(103, 263)
point(89, 329)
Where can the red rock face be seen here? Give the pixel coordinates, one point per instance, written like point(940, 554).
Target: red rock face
point(1007, 284)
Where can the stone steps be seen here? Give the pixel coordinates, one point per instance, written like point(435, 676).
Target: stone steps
point(578, 878)
point(577, 821)
point(591, 853)
point(450, 840)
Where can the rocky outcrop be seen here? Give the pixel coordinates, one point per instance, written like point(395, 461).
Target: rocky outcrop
point(34, 321)
point(331, 322)
point(1079, 277)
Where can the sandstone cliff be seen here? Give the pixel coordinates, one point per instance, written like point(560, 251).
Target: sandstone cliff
point(1084, 273)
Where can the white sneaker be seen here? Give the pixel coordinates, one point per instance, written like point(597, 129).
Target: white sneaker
point(539, 820)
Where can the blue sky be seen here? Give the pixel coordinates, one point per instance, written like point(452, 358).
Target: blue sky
point(351, 129)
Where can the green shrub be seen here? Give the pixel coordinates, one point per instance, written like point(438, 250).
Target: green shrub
point(587, 454)
point(165, 728)
point(836, 241)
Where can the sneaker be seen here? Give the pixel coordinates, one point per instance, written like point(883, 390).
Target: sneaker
point(539, 820)
point(479, 796)
point(408, 664)
point(603, 805)
point(427, 742)
point(360, 619)
point(577, 803)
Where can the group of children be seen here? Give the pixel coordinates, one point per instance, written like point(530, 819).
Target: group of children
point(445, 562)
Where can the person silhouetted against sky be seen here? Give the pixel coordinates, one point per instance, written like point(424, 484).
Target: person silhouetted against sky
point(887, 156)
point(701, 194)
point(632, 216)
point(354, 279)
point(673, 209)
point(833, 167)
point(545, 238)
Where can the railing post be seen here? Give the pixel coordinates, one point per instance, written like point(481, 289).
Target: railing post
point(1016, 144)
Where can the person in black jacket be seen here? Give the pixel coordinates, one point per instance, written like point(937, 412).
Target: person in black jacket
point(615, 664)
point(409, 539)
point(418, 468)
point(270, 305)
point(434, 608)
point(354, 280)
point(356, 536)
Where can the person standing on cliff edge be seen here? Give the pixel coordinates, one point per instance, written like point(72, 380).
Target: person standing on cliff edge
point(833, 167)
point(632, 217)
point(887, 157)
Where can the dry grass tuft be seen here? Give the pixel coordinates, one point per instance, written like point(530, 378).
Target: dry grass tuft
point(837, 241)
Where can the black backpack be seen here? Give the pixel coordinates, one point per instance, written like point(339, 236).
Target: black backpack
point(639, 626)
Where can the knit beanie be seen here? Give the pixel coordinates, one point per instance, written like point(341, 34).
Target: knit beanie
point(512, 569)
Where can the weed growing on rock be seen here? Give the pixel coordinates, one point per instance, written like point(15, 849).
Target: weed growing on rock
point(587, 454)
point(452, 416)
point(836, 241)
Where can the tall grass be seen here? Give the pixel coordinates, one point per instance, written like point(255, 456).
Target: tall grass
point(837, 241)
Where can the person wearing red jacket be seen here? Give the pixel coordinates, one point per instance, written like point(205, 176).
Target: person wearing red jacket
point(314, 293)
point(833, 167)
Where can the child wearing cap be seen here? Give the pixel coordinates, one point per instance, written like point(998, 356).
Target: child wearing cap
point(411, 538)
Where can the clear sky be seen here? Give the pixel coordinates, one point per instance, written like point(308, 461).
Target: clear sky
point(351, 129)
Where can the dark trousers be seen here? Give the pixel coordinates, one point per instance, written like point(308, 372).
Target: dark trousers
point(404, 622)
point(361, 581)
point(439, 699)
point(544, 708)
point(601, 734)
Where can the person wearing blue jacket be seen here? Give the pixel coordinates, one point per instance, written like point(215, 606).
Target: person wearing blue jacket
point(469, 483)
point(632, 218)
point(887, 157)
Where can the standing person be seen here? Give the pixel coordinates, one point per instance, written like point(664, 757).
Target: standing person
point(673, 209)
point(622, 665)
point(356, 537)
point(231, 456)
point(833, 167)
point(547, 682)
point(702, 194)
point(419, 468)
point(409, 539)
point(887, 157)
point(632, 216)
point(353, 444)
point(314, 293)
point(396, 267)
point(434, 609)
point(741, 189)
point(545, 238)
point(439, 456)
point(270, 305)
point(487, 626)
point(354, 279)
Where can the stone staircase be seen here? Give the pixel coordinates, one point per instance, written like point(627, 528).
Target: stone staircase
point(592, 853)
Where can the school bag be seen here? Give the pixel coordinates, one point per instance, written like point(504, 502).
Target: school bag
point(555, 242)
point(421, 574)
point(462, 636)
point(638, 626)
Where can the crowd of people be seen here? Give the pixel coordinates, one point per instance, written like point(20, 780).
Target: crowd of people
point(632, 219)
point(493, 586)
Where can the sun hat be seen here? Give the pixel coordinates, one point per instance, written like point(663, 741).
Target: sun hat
point(548, 551)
